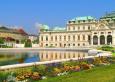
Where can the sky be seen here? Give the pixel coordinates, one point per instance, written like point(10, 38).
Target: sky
point(26, 13)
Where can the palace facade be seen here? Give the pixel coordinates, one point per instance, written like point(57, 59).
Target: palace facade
point(80, 32)
point(15, 35)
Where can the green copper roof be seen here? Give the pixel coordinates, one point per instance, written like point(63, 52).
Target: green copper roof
point(83, 18)
point(109, 15)
point(59, 29)
point(45, 27)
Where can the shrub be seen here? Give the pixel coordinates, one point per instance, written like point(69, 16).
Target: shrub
point(42, 69)
point(106, 48)
point(85, 66)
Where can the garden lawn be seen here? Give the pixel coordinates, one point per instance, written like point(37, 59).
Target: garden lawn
point(97, 74)
point(113, 54)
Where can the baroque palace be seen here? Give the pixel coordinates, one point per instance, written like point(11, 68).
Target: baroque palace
point(12, 35)
point(80, 32)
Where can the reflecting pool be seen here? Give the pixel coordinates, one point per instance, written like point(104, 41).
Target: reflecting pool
point(16, 57)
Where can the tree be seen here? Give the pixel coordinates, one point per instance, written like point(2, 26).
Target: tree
point(36, 41)
point(1, 41)
point(28, 43)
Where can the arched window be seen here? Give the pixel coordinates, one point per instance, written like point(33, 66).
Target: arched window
point(95, 40)
point(102, 39)
point(109, 39)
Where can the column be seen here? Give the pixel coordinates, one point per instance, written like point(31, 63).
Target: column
point(99, 40)
point(92, 40)
point(106, 39)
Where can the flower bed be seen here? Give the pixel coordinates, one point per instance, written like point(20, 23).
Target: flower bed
point(39, 72)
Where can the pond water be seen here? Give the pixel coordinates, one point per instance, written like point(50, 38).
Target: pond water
point(16, 57)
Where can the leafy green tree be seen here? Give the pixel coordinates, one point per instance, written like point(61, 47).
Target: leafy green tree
point(28, 43)
point(36, 41)
point(1, 41)
point(23, 41)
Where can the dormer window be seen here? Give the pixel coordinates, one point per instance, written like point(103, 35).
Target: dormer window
point(73, 21)
point(69, 21)
point(78, 21)
point(108, 20)
point(83, 20)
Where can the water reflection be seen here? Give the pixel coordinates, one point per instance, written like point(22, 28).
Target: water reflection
point(57, 55)
point(7, 58)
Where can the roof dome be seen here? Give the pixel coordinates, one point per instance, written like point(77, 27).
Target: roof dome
point(45, 27)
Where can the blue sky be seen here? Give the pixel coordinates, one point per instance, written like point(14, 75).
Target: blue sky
point(26, 13)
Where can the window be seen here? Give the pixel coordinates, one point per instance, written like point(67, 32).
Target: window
point(73, 55)
point(83, 27)
point(78, 37)
point(46, 55)
point(46, 44)
point(108, 20)
point(69, 21)
point(46, 38)
point(56, 55)
point(78, 21)
point(109, 32)
point(60, 45)
point(64, 45)
point(73, 44)
point(95, 32)
point(102, 32)
point(68, 44)
point(64, 55)
point(83, 20)
point(51, 44)
point(73, 21)
point(83, 44)
point(78, 44)
point(83, 37)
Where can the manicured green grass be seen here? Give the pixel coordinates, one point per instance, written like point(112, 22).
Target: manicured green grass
point(113, 54)
point(97, 74)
